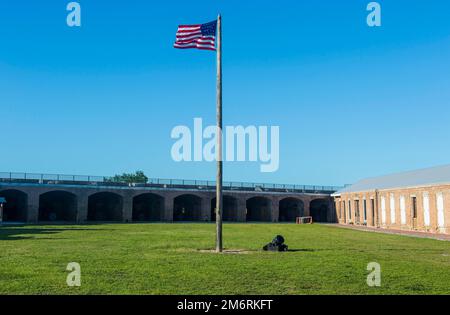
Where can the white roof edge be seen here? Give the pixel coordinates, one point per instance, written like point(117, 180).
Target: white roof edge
point(439, 175)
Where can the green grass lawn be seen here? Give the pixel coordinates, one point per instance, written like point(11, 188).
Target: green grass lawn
point(168, 259)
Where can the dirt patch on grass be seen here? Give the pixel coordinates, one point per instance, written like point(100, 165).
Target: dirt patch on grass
point(213, 251)
point(226, 251)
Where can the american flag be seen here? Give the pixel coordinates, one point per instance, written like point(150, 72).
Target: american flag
point(200, 36)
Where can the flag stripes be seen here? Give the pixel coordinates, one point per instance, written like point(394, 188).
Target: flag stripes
point(199, 36)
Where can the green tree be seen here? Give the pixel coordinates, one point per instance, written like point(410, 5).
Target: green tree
point(138, 178)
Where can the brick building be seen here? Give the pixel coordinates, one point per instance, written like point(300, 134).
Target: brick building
point(417, 200)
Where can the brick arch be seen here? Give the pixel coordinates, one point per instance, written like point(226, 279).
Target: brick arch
point(230, 208)
point(105, 206)
point(290, 208)
point(192, 193)
point(259, 209)
point(57, 205)
point(320, 209)
point(187, 207)
point(16, 207)
point(148, 207)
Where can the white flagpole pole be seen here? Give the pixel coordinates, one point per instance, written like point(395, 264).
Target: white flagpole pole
point(219, 201)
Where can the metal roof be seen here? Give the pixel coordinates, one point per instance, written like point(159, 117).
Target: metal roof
point(423, 177)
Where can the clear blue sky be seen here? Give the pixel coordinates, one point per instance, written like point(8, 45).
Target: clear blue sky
point(351, 101)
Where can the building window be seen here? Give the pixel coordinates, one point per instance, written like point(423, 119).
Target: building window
point(338, 204)
point(349, 209)
point(414, 209)
point(343, 208)
point(426, 209)
point(440, 210)
point(402, 210)
point(357, 215)
point(383, 210)
point(392, 207)
point(372, 203)
point(365, 211)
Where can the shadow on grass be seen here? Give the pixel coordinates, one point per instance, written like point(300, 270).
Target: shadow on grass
point(14, 233)
point(302, 250)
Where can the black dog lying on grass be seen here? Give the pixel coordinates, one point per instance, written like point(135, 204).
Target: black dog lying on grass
point(277, 245)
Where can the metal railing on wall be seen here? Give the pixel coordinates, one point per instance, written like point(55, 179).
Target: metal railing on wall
point(36, 178)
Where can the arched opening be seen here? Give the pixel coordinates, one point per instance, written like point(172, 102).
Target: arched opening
point(57, 206)
point(259, 209)
point(230, 209)
point(105, 206)
point(319, 209)
point(148, 207)
point(290, 209)
point(15, 208)
point(187, 208)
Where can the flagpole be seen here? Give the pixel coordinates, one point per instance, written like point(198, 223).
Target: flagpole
point(219, 201)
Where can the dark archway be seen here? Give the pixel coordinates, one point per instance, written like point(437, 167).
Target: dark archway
point(148, 207)
point(290, 209)
point(319, 209)
point(230, 209)
point(259, 209)
point(105, 206)
point(16, 206)
point(187, 208)
point(57, 206)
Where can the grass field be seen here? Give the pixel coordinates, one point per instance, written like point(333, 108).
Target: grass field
point(168, 259)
